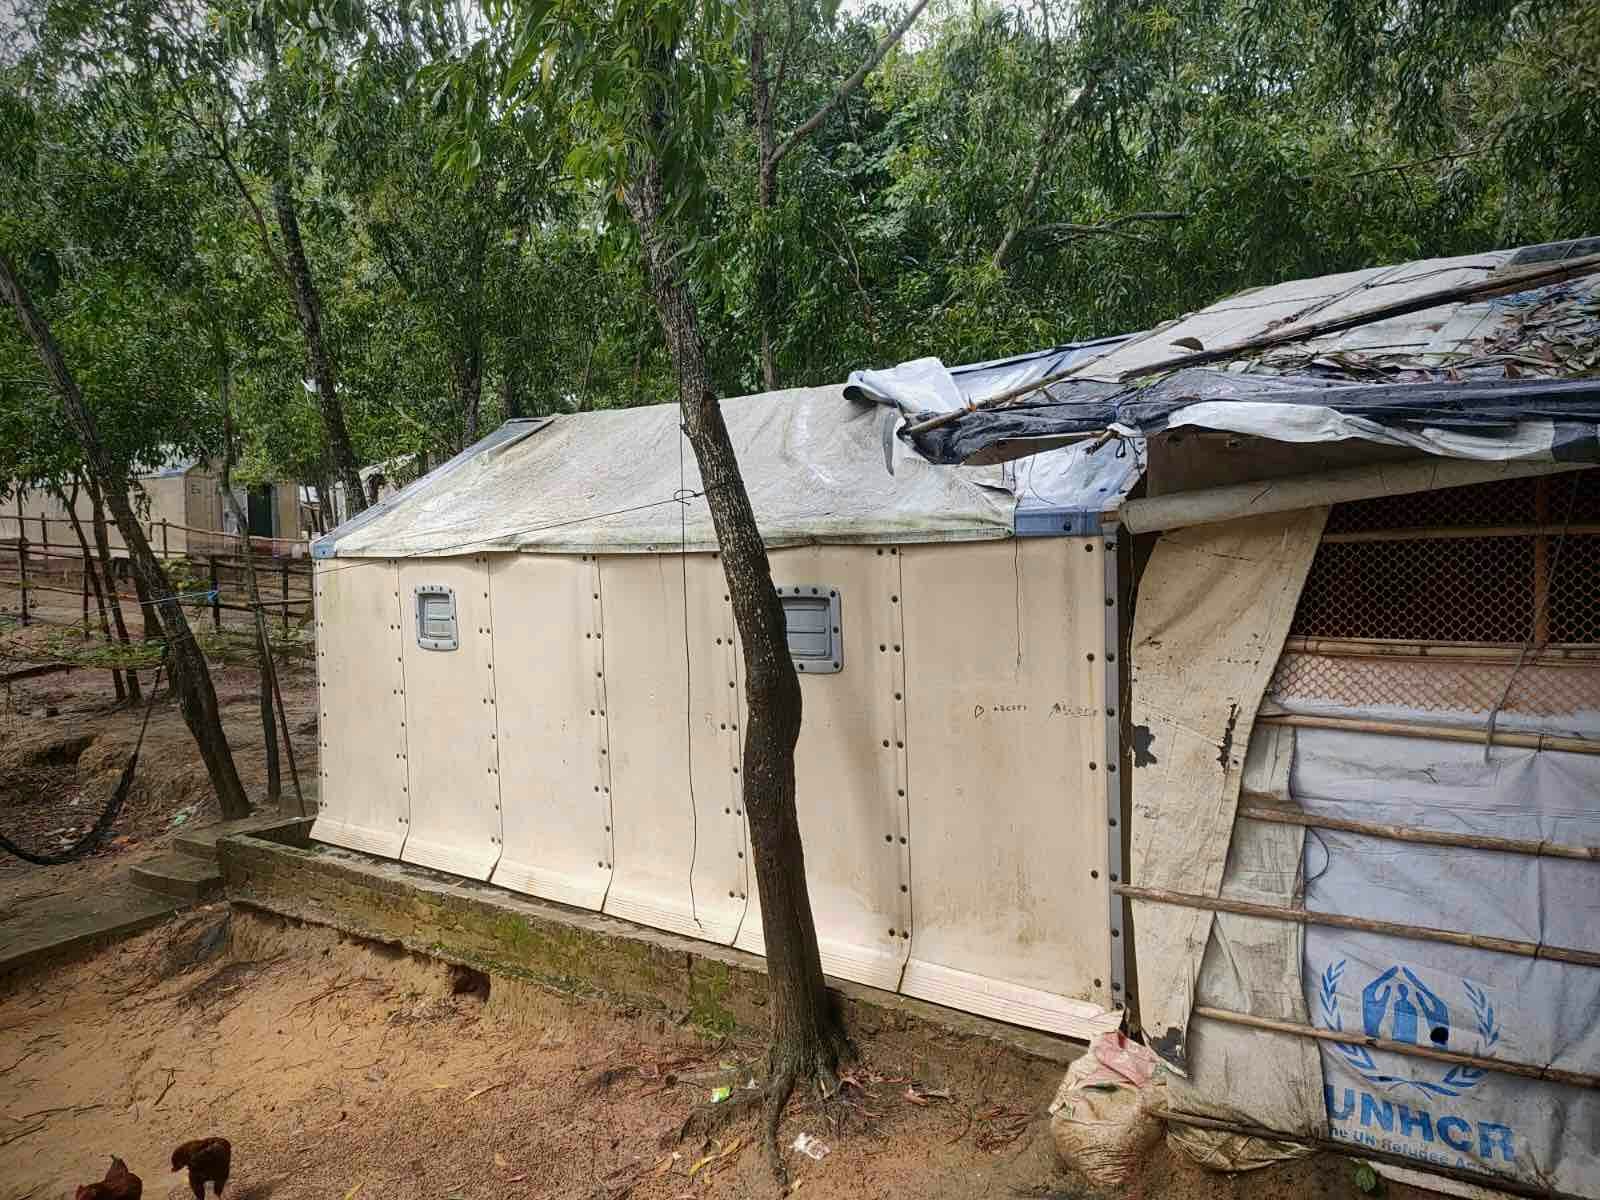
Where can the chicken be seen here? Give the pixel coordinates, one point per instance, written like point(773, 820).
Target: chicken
point(119, 1184)
point(208, 1160)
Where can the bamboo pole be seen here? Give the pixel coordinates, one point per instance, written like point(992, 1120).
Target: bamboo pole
point(1542, 530)
point(1515, 1187)
point(1421, 837)
point(1425, 933)
point(1501, 283)
point(1442, 733)
point(1349, 1038)
point(1480, 652)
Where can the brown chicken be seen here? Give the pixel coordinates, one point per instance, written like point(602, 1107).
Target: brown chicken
point(119, 1184)
point(208, 1160)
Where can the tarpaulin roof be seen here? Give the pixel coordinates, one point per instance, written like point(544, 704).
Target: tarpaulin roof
point(625, 480)
point(1512, 377)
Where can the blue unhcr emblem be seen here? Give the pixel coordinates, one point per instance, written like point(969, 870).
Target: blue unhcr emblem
point(1414, 1014)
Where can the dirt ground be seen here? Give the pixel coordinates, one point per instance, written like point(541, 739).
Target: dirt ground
point(65, 738)
point(342, 1070)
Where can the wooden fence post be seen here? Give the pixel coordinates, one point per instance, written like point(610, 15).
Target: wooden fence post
point(216, 595)
point(165, 553)
point(22, 570)
point(283, 569)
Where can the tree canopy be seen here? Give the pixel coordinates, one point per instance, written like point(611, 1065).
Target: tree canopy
point(1007, 177)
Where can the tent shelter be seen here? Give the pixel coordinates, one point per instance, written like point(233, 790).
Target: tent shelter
point(530, 674)
point(1242, 685)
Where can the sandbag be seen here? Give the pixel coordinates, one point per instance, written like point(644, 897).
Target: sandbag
point(1104, 1119)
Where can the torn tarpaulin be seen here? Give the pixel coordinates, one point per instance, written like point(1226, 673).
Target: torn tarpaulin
point(1475, 418)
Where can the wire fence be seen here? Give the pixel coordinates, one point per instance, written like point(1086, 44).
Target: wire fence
point(214, 578)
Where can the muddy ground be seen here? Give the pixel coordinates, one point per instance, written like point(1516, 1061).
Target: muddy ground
point(340, 1070)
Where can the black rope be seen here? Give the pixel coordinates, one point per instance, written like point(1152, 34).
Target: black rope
point(90, 841)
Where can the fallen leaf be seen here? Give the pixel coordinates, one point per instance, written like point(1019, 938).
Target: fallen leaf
point(350, 1195)
point(486, 1088)
point(516, 1179)
point(500, 1160)
point(911, 1095)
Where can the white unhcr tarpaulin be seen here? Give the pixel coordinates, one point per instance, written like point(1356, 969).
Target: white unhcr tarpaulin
point(611, 482)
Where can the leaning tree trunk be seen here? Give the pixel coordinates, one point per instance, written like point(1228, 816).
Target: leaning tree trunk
point(191, 679)
point(807, 1038)
point(308, 310)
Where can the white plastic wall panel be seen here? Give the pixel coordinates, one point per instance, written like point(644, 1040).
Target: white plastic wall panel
point(850, 771)
point(672, 729)
point(1004, 648)
point(450, 724)
point(361, 707)
point(555, 770)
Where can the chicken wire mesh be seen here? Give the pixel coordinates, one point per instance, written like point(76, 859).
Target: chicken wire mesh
point(1424, 685)
point(1461, 588)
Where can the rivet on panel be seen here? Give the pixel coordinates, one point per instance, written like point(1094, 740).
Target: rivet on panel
point(740, 853)
point(902, 841)
point(905, 887)
point(1111, 766)
point(1111, 657)
point(1113, 822)
point(885, 743)
point(1094, 766)
point(1090, 657)
point(905, 933)
point(889, 837)
point(1116, 933)
point(1094, 874)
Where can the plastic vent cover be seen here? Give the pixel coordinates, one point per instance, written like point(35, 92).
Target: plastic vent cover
point(811, 616)
point(436, 618)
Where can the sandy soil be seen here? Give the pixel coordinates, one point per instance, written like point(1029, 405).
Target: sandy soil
point(343, 1070)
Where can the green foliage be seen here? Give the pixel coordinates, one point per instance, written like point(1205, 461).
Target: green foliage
point(459, 175)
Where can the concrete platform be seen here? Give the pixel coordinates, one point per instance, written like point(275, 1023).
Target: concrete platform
point(51, 928)
point(201, 842)
point(181, 876)
point(714, 987)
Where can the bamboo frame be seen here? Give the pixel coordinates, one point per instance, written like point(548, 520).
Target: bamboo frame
point(1515, 1187)
point(1442, 733)
point(1580, 1079)
point(1304, 916)
point(1473, 652)
point(1421, 837)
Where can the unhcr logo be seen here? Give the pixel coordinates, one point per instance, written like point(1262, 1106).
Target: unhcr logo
point(1399, 1005)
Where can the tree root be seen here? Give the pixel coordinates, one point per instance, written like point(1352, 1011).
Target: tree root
point(818, 1065)
point(707, 1120)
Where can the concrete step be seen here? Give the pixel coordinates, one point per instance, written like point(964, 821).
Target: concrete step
point(182, 876)
point(201, 842)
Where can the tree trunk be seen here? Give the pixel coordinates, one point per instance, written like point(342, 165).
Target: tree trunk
point(467, 368)
point(91, 572)
point(762, 116)
point(269, 733)
point(807, 1037)
point(103, 543)
point(186, 664)
point(308, 310)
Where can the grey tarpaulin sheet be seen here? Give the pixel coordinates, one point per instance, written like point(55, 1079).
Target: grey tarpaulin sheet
point(1252, 965)
point(1215, 603)
point(605, 482)
point(1469, 1000)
